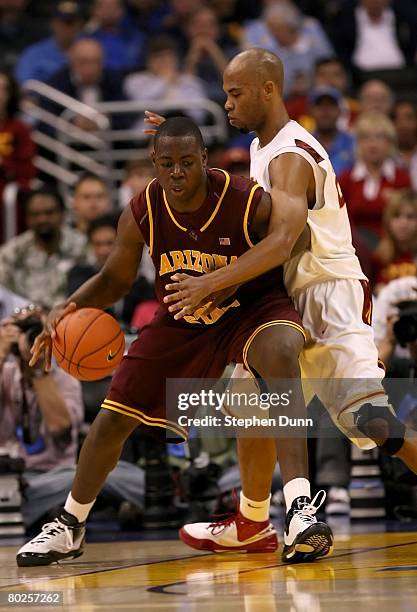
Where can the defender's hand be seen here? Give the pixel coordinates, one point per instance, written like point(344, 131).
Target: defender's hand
point(153, 119)
point(218, 298)
point(43, 342)
point(190, 293)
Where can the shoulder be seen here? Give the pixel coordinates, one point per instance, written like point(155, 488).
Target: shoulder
point(236, 185)
point(17, 245)
point(72, 239)
point(145, 199)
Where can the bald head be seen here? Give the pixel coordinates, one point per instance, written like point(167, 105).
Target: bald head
point(86, 60)
point(258, 66)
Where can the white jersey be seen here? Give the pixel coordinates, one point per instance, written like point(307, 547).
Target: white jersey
point(331, 255)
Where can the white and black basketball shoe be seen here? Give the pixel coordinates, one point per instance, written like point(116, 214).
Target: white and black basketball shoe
point(61, 539)
point(305, 538)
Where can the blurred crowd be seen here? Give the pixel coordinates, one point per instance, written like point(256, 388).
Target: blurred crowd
point(351, 74)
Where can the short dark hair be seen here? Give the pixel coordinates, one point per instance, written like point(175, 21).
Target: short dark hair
point(90, 176)
point(162, 43)
point(181, 127)
point(324, 61)
point(109, 220)
point(13, 101)
point(46, 191)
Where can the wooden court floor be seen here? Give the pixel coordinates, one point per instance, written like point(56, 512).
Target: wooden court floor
point(375, 571)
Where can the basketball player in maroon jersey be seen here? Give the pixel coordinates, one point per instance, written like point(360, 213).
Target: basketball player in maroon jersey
point(196, 220)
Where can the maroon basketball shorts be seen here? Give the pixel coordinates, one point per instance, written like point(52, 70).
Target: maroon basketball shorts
point(169, 349)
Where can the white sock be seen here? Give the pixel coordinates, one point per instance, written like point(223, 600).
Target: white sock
point(295, 488)
point(80, 511)
point(254, 510)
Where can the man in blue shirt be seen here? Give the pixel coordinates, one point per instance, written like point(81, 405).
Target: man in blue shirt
point(123, 44)
point(325, 109)
point(42, 59)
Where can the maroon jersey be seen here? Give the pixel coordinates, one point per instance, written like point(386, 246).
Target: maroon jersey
point(207, 239)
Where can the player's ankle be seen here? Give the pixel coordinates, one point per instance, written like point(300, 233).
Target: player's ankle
point(297, 487)
point(77, 510)
point(252, 510)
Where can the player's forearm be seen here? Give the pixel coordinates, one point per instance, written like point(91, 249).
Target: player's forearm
point(270, 253)
point(100, 291)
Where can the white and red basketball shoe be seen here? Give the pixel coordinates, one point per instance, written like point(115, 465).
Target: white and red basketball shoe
point(234, 534)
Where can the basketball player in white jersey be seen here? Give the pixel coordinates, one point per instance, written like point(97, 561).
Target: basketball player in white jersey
point(326, 283)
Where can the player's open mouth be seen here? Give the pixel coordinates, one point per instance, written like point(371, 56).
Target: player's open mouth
point(177, 189)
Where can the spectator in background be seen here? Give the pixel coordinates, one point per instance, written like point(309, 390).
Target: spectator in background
point(101, 238)
point(385, 313)
point(41, 60)
point(175, 21)
point(375, 35)
point(283, 31)
point(123, 44)
point(237, 161)
point(35, 264)
point(405, 121)
point(340, 145)
point(9, 302)
point(87, 80)
point(209, 50)
point(17, 148)
point(41, 414)
point(18, 30)
point(163, 80)
point(374, 175)
point(328, 72)
point(138, 173)
point(147, 15)
point(376, 97)
point(396, 253)
point(91, 199)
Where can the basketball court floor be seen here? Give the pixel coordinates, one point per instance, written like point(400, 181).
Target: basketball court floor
point(373, 570)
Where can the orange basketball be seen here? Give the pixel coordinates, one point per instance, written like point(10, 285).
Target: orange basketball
point(89, 344)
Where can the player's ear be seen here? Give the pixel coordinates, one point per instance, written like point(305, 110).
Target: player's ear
point(269, 89)
point(153, 157)
point(204, 157)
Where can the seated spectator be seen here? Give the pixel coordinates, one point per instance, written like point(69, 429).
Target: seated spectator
point(237, 161)
point(91, 199)
point(101, 238)
point(340, 145)
point(376, 97)
point(374, 175)
point(163, 80)
point(18, 30)
point(148, 15)
point(209, 50)
point(176, 19)
point(9, 302)
point(17, 149)
point(35, 264)
point(374, 35)
point(138, 174)
point(41, 413)
point(87, 80)
point(328, 72)
point(396, 253)
point(405, 121)
point(283, 31)
point(385, 314)
point(42, 59)
point(123, 44)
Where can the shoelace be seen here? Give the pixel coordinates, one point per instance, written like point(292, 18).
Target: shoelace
point(229, 516)
point(308, 511)
point(51, 529)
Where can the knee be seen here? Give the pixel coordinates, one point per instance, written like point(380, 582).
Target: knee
point(111, 427)
point(279, 358)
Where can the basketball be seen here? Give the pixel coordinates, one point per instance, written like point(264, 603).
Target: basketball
point(89, 344)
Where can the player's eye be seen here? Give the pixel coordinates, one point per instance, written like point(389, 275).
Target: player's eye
point(166, 164)
point(188, 163)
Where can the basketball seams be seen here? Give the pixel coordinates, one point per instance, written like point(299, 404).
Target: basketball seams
point(100, 314)
point(107, 368)
point(55, 347)
point(119, 332)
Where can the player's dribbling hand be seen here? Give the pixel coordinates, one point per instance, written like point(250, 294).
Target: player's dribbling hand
point(43, 342)
point(153, 119)
point(218, 298)
point(190, 293)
